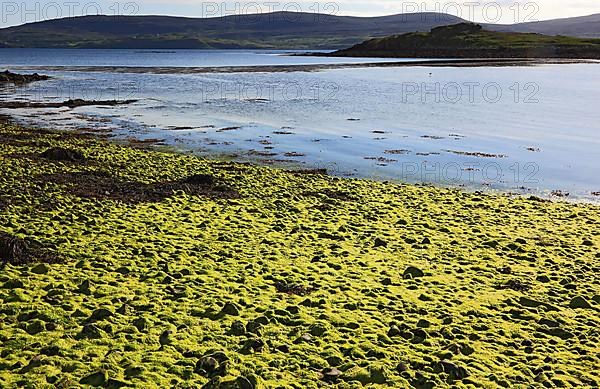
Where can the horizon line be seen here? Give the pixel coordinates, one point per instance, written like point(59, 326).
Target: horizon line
point(292, 12)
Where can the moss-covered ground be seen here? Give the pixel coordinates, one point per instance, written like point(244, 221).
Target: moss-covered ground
point(275, 279)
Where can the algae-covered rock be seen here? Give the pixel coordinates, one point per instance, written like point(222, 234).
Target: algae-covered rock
point(317, 329)
point(100, 314)
point(13, 284)
point(166, 338)
point(35, 327)
point(413, 272)
point(238, 328)
point(16, 296)
point(40, 268)
point(579, 302)
point(230, 309)
point(91, 331)
point(141, 323)
point(331, 374)
point(454, 371)
point(98, 378)
point(374, 374)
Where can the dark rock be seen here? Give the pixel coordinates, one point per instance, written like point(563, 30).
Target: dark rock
point(62, 154)
point(41, 268)
point(394, 331)
point(95, 379)
point(253, 345)
point(230, 309)
point(207, 366)
point(85, 287)
point(330, 374)
point(378, 242)
point(165, 338)
point(419, 335)
point(543, 278)
point(244, 383)
point(454, 371)
point(401, 367)
point(141, 323)
point(238, 328)
point(579, 302)
point(134, 371)
point(200, 179)
point(18, 79)
point(100, 314)
point(413, 272)
point(35, 327)
point(91, 331)
point(423, 323)
point(317, 329)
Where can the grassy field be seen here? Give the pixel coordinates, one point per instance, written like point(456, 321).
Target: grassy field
point(142, 268)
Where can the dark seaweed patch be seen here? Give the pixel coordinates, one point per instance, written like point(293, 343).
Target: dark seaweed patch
point(293, 288)
point(102, 185)
point(62, 154)
point(18, 251)
point(517, 285)
point(308, 171)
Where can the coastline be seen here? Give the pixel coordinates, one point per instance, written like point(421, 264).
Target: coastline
point(176, 269)
point(485, 62)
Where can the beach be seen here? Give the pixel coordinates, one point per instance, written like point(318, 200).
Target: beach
point(142, 267)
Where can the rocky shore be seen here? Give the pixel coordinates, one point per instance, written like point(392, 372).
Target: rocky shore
point(19, 79)
point(128, 267)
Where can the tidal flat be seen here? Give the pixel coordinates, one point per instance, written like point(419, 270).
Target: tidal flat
point(145, 268)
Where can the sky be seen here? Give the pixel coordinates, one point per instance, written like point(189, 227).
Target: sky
point(499, 11)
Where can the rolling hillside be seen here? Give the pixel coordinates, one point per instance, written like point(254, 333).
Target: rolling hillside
point(469, 40)
point(284, 30)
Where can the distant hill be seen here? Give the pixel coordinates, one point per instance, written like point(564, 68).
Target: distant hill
point(582, 26)
point(469, 40)
point(278, 30)
point(282, 30)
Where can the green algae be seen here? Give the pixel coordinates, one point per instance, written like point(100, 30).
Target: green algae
point(299, 281)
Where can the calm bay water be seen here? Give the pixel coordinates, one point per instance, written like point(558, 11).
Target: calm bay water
point(524, 129)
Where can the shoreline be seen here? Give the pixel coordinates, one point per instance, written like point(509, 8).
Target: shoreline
point(490, 62)
point(167, 269)
point(548, 194)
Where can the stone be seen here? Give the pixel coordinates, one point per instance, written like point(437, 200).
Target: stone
point(413, 272)
point(230, 309)
point(317, 329)
point(141, 323)
point(378, 242)
point(304, 338)
point(244, 383)
point(207, 365)
point(394, 331)
point(41, 268)
point(579, 302)
point(331, 374)
point(85, 287)
point(91, 331)
point(237, 328)
point(95, 379)
point(35, 327)
point(165, 338)
point(454, 371)
point(423, 323)
point(100, 314)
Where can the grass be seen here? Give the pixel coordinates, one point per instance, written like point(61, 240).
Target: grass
point(300, 280)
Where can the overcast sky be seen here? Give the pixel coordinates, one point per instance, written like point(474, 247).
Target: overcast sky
point(499, 11)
